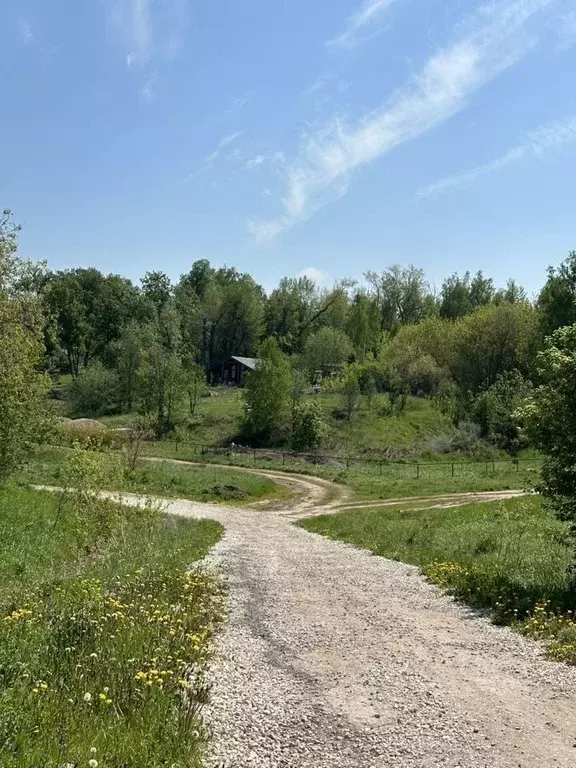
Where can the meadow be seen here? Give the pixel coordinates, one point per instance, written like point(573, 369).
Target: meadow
point(105, 633)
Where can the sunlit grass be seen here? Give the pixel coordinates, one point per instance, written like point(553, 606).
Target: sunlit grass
point(103, 642)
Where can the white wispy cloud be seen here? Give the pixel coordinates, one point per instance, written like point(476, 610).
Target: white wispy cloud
point(547, 138)
point(443, 87)
point(276, 158)
point(147, 92)
point(369, 13)
point(224, 142)
point(132, 21)
point(148, 29)
point(27, 32)
point(316, 275)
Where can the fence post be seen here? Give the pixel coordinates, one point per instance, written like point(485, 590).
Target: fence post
point(254, 455)
point(493, 467)
point(452, 469)
point(177, 442)
point(347, 463)
point(486, 469)
point(283, 459)
point(517, 462)
point(417, 470)
point(380, 467)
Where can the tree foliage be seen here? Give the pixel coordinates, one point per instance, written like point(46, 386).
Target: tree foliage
point(267, 394)
point(548, 419)
point(24, 417)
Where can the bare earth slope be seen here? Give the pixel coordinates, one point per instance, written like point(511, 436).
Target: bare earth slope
point(333, 657)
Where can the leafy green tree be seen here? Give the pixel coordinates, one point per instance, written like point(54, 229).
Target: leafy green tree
point(363, 326)
point(493, 410)
point(89, 311)
point(162, 386)
point(267, 394)
point(455, 297)
point(24, 416)
point(95, 390)
point(326, 351)
point(195, 383)
point(157, 288)
point(548, 419)
point(491, 341)
point(309, 427)
point(350, 390)
point(128, 353)
point(400, 294)
point(557, 300)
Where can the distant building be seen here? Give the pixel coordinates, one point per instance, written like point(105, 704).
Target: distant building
point(233, 371)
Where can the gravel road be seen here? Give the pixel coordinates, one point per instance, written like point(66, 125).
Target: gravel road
point(335, 658)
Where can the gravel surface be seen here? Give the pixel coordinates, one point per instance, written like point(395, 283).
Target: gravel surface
point(334, 657)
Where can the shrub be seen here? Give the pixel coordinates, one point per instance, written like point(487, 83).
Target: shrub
point(309, 428)
point(95, 390)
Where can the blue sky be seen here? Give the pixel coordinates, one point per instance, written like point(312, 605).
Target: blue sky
point(278, 136)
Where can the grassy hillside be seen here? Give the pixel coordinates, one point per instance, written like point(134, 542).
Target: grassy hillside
point(372, 430)
point(100, 634)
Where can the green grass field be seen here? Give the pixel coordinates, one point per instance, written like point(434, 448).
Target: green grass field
point(511, 558)
point(374, 481)
point(208, 483)
point(100, 634)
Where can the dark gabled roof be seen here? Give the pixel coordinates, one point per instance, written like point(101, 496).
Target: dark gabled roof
point(249, 362)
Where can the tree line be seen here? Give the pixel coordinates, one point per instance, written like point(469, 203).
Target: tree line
point(482, 353)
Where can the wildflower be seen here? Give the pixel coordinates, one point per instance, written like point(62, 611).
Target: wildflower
point(93, 750)
point(87, 698)
point(93, 763)
point(93, 655)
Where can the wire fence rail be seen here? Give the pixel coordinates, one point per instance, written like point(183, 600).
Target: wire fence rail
point(376, 465)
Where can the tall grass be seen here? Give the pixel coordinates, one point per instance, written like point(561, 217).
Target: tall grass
point(209, 484)
point(104, 638)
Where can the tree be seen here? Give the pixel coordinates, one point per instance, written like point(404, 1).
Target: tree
point(491, 341)
point(493, 410)
point(363, 326)
point(267, 394)
point(548, 419)
point(455, 297)
point(195, 383)
point(157, 288)
point(350, 390)
point(94, 390)
point(162, 385)
point(400, 293)
point(557, 300)
point(326, 351)
point(24, 416)
point(309, 428)
point(90, 310)
point(128, 354)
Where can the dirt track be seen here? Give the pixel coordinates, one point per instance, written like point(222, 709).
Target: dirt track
point(333, 658)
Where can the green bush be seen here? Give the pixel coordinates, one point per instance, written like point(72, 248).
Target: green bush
point(309, 428)
point(95, 390)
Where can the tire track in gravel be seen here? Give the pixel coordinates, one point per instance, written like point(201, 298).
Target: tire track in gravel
point(334, 658)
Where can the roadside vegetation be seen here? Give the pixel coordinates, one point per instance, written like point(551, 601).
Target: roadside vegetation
point(105, 630)
point(105, 633)
point(509, 558)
